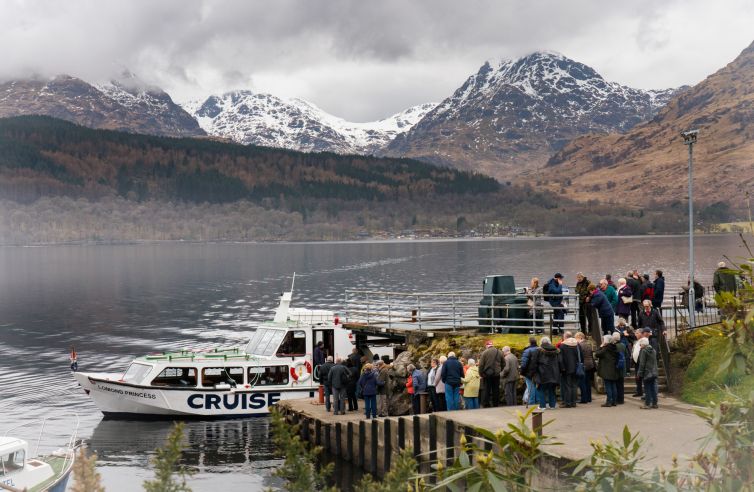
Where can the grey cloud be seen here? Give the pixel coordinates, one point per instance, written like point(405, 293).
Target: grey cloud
point(359, 59)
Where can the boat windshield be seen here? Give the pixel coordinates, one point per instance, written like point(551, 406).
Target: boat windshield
point(136, 373)
point(12, 462)
point(265, 341)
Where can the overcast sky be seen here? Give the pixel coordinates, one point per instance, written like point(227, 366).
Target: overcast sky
point(363, 59)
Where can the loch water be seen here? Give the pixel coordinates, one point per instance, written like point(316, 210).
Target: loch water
point(115, 302)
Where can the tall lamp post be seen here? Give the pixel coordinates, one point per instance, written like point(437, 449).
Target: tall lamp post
point(689, 138)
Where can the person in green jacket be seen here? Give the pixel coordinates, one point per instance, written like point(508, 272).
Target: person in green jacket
point(610, 293)
point(724, 280)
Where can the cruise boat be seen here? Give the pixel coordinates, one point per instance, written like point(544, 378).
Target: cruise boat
point(21, 470)
point(275, 365)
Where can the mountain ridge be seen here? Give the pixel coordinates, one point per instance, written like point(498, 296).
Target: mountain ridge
point(511, 116)
point(248, 117)
point(721, 107)
point(113, 106)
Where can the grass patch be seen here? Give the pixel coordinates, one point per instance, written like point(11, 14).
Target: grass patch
point(702, 383)
point(473, 346)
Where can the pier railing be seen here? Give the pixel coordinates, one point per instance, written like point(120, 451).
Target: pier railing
point(460, 310)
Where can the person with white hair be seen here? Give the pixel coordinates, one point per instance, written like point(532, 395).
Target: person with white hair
point(440, 386)
point(607, 368)
point(625, 299)
point(724, 280)
point(510, 376)
point(451, 374)
point(622, 366)
point(546, 369)
point(570, 358)
point(471, 382)
point(648, 372)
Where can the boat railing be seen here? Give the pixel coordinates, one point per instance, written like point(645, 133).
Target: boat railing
point(70, 445)
point(459, 310)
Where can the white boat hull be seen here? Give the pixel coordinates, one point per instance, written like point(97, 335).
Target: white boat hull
point(115, 398)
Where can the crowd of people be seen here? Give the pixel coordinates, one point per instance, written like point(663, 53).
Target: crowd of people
point(565, 371)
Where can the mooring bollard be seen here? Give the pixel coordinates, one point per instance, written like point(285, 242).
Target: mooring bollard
point(536, 421)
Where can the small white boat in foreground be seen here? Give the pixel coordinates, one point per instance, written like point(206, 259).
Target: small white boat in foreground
point(275, 365)
point(22, 471)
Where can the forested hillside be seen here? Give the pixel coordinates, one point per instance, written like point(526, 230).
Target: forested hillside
point(62, 182)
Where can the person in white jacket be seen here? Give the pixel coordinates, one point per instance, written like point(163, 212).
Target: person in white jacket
point(635, 356)
point(440, 386)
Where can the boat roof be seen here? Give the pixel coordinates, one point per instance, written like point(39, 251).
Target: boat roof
point(8, 444)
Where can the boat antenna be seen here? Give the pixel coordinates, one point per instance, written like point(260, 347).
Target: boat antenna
point(293, 281)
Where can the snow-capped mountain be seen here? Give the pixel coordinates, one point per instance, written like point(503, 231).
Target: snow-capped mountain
point(125, 104)
point(263, 119)
point(510, 117)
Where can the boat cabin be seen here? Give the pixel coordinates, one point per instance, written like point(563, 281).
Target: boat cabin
point(16, 468)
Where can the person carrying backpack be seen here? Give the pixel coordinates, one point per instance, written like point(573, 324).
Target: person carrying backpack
point(607, 368)
point(647, 289)
point(490, 365)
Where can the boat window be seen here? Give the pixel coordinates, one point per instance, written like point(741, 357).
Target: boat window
point(176, 376)
point(136, 373)
point(265, 341)
point(267, 376)
point(12, 462)
point(294, 344)
point(214, 375)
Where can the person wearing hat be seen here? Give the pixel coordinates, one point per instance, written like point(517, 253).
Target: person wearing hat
point(490, 365)
point(724, 280)
point(554, 292)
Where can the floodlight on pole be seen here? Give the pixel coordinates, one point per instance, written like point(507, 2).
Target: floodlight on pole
point(689, 138)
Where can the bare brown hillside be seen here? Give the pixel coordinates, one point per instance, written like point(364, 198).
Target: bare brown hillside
point(649, 162)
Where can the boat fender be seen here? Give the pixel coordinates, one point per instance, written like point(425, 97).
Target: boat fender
point(301, 371)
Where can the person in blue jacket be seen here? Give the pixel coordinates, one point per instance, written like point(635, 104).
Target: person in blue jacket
point(368, 384)
point(452, 372)
point(554, 293)
point(659, 290)
point(419, 383)
point(604, 310)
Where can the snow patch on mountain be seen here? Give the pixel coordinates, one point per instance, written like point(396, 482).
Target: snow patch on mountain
point(263, 119)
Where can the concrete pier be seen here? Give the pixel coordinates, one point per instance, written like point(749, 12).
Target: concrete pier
point(673, 429)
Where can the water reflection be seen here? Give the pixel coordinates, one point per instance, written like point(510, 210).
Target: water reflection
point(118, 302)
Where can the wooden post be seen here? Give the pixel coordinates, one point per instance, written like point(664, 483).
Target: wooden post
point(432, 438)
point(317, 432)
point(349, 441)
point(387, 442)
point(362, 443)
point(327, 437)
point(417, 437)
point(373, 447)
point(450, 431)
point(536, 421)
point(338, 445)
point(401, 433)
point(305, 430)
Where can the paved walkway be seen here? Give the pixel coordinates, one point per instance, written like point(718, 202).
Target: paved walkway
point(673, 429)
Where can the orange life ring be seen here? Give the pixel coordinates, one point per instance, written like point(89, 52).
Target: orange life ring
point(301, 371)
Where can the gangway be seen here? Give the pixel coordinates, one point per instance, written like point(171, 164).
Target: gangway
point(430, 314)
